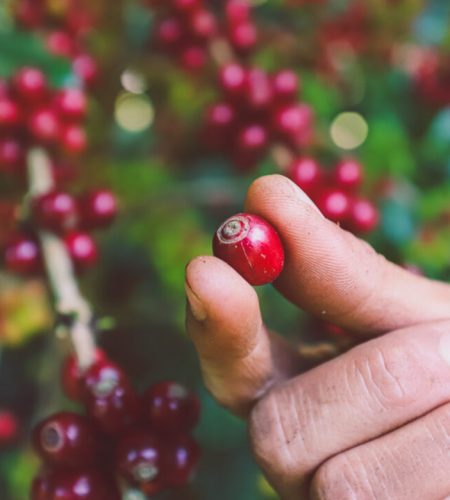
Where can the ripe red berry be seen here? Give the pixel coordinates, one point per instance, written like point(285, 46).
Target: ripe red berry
point(258, 89)
point(169, 32)
point(243, 36)
point(66, 439)
point(184, 6)
point(71, 104)
point(363, 217)
point(193, 57)
point(43, 126)
point(285, 86)
point(293, 124)
point(60, 43)
point(219, 121)
point(348, 174)
point(72, 378)
point(82, 249)
point(232, 79)
point(170, 408)
point(12, 155)
point(202, 24)
point(98, 208)
point(85, 484)
point(139, 460)
point(237, 11)
point(9, 114)
point(109, 398)
point(181, 456)
point(253, 139)
point(251, 246)
point(86, 68)
point(73, 139)
point(29, 13)
point(22, 255)
point(30, 85)
point(9, 428)
point(56, 211)
point(306, 173)
point(334, 204)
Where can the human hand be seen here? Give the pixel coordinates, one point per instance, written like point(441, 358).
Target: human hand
point(373, 423)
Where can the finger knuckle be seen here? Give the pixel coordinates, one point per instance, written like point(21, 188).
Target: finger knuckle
point(274, 432)
point(387, 375)
point(341, 478)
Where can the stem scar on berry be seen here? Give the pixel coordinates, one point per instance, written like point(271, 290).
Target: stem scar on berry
point(250, 245)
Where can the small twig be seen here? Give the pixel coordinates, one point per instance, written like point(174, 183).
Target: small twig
point(68, 298)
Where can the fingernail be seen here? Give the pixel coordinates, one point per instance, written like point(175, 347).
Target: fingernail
point(444, 347)
point(195, 304)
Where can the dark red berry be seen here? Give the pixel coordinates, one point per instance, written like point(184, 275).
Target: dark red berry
point(219, 121)
point(170, 408)
point(86, 68)
point(98, 208)
point(82, 249)
point(73, 140)
point(67, 439)
point(109, 398)
point(181, 456)
point(306, 173)
point(72, 378)
point(252, 139)
point(169, 32)
point(243, 36)
point(193, 57)
point(258, 89)
point(12, 155)
point(9, 428)
point(232, 79)
point(29, 13)
point(85, 484)
point(251, 246)
point(348, 174)
point(364, 216)
point(9, 114)
point(184, 6)
point(71, 104)
point(60, 43)
point(22, 255)
point(237, 11)
point(139, 460)
point(293, 124)
point(56, 211)
point(30, 85)
point(334, 204)
point(285, 86)
point(44, 126)
point(202, 24)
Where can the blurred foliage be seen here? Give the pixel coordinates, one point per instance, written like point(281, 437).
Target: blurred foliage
point(173, 195)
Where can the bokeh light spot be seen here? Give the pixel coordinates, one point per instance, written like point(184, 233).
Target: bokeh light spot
point(349, 130)
point(133, 112)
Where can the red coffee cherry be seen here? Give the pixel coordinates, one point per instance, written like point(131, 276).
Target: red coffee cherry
point(348, 174)
point(22, 255)
point(73, 139)
point(335, 205)
point(86, 68)
point(293, 124)
point(186, 6)
point(82, 249)
point(181, 456)
point(9, 114)
point(363, 217)
point(243, 36)
point(307, 174)
point(66, 439)
point(193, 57)
point(139, 460)
point(202, 24)
point(29, 13)
point(71, 104)
point(60, 43)
point(218, 126)
point(85, 484)
point(170, 408)
point(109, 398)
point(285, 86)
point(258, 90)
point(98, 208)
point(12, 155)
point(9, 428)
point(30, 85)
point(253, 139)
point(56, 211)
point(72, 378)
point(44, 126)
point(237, 11)
point(169, 33)
point(232, 80)
point(251, 246)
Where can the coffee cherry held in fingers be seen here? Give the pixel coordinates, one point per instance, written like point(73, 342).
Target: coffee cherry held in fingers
point(251, 246)
point(170, 408)
point(67, 439)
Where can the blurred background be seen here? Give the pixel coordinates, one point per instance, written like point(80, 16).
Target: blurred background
point(373, 85)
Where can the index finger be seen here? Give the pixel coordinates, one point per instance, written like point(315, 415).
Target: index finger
point(336, 276)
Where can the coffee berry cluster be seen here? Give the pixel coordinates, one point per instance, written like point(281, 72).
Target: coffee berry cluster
point(185, 29)
point(65, 26)
point(123, 439)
